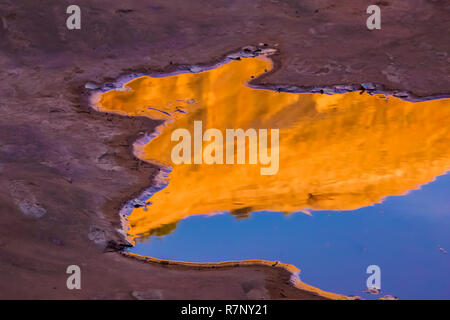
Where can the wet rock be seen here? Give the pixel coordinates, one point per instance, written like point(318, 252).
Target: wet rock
point(268, 51)
point(286, 88)
point(368, 86)
point(151, 294)
point(343, 88)
point(401, 94)
point(195, 69)
point(91, 86)
point(137, 203)
point(234, 56)
point(291, 89)
point(328, 91)
point(114, 246)
point(249, 49)
point(109, 86)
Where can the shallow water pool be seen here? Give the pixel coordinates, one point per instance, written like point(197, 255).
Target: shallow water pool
point(406, 236)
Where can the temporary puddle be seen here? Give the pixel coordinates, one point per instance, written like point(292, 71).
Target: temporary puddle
point(340, 152)
point(403, 235)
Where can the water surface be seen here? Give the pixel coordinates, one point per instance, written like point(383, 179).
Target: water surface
point(341, 152)
point(403, 236)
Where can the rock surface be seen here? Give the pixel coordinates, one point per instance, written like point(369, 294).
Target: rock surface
point(55, 187)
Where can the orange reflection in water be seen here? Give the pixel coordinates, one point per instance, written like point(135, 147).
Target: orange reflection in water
point(336, 152)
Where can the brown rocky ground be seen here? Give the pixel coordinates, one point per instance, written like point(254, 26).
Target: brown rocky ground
point(65, 170)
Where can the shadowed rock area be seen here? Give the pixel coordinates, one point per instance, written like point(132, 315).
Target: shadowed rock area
point(66, 170)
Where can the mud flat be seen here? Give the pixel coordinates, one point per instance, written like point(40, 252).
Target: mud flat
point(67, 170)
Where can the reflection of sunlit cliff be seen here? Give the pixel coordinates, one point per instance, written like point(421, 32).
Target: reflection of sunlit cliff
point(337, 152)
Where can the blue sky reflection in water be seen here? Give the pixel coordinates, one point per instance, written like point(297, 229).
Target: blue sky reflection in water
point(403, 235)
